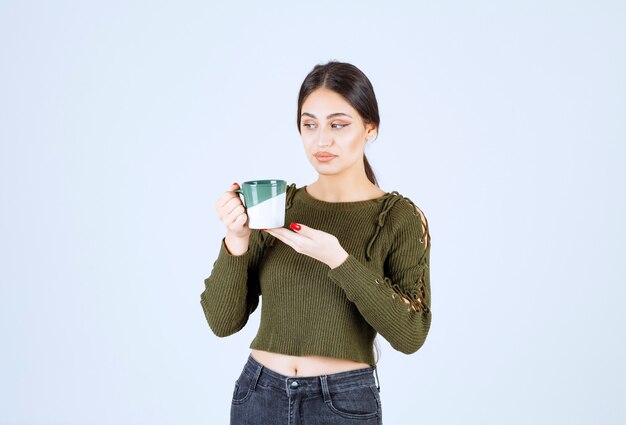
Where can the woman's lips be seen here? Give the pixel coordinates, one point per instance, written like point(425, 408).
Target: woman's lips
point(324, 158)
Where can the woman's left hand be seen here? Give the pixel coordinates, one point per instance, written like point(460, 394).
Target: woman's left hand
point(312, 242)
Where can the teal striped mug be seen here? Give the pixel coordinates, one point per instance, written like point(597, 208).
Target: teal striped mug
point(264, 201)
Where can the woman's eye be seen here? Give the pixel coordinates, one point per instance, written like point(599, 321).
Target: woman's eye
point(338, 125)
point(308, 125)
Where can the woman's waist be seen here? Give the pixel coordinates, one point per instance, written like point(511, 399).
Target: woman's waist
point(305, 366)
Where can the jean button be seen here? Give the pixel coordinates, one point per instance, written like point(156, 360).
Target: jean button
point(294, 384)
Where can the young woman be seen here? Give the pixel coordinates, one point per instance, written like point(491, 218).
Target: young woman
point(353, 263)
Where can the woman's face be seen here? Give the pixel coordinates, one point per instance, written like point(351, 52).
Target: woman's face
point(333, 133)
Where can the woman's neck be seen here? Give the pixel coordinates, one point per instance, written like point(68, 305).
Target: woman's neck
point(344, 190)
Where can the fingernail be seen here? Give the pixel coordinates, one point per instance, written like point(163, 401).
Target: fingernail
point(295, 226)
point(235, 183)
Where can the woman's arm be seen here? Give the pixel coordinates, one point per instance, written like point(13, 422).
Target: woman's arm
point(232, 290)
point(397, 305)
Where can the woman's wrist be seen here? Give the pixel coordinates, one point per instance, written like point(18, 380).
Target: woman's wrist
point(236, 245)
point(338, 259)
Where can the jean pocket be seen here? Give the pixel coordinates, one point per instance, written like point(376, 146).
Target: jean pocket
point(243, 389)
point(360, 402)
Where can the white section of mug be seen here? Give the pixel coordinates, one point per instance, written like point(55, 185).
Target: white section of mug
point(268, 214)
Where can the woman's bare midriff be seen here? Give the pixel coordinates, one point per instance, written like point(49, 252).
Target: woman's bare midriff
point(304, 365)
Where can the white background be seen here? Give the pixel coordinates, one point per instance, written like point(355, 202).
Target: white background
point(121, 124)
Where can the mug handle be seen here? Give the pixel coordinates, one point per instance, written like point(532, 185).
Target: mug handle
point(243, 200)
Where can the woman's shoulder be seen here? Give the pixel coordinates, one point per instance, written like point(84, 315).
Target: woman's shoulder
point(291, 187)
point(403, 205)
point(405, 211)
point(290, 192)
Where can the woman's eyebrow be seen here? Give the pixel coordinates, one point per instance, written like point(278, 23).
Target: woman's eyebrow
point(336, 114)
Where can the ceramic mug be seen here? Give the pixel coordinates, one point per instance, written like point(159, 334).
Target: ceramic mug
point(264, 201)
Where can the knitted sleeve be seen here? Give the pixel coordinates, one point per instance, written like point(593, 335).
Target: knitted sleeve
point(396, 305)
point(232, 290)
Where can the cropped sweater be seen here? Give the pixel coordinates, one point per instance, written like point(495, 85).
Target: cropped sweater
point(308, 308)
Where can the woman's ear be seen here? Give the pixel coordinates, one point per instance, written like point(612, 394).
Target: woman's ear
point(371, 132)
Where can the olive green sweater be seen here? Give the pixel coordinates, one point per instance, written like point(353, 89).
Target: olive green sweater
point(308, 308)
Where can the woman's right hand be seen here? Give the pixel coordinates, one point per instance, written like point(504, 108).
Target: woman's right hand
point(232, 213)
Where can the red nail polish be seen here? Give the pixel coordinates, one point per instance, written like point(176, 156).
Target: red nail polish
point(295, 226)
point(235, 183)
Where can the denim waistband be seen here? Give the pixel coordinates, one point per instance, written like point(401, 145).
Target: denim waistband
point(311, 384)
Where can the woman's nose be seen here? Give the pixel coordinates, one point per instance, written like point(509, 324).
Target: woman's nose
point(324, 138)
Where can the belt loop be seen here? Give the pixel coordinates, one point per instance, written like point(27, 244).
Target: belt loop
point(325, 391)
point(256, 376)
point(377, 380)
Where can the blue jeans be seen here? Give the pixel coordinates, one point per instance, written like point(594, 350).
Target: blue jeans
point(263, 396)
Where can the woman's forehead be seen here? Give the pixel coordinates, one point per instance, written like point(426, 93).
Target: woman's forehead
point(324, 102)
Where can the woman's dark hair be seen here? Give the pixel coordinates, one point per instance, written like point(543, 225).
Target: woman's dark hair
point(350, 82)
